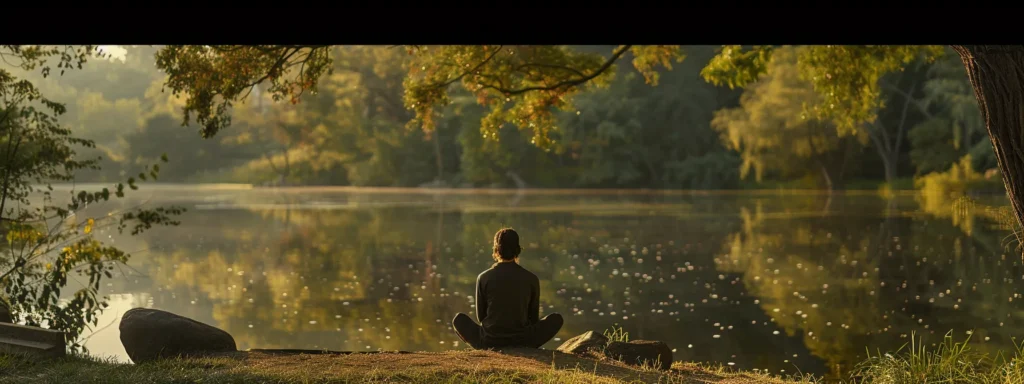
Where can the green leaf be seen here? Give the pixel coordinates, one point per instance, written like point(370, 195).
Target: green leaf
point(735, 67)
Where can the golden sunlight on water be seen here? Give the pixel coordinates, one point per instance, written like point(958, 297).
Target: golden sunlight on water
point(104, 340)
point(757, 281)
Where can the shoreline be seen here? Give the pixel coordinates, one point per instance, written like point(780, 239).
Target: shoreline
point(485, 190)
point(287, 366)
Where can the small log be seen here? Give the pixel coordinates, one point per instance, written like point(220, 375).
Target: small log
point(35, 341)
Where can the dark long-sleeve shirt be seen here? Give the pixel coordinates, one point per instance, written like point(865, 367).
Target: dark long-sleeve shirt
point(507, 301)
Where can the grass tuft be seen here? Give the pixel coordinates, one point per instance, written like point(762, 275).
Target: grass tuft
point(616, 334)
point(950, 362)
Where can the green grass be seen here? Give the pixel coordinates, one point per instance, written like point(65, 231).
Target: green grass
point(950, 362)
point(616, 334)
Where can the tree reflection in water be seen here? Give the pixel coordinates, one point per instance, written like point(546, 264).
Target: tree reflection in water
point(762, 281)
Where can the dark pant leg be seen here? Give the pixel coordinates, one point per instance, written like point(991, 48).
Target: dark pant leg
point(544, 330)
point(468, 330)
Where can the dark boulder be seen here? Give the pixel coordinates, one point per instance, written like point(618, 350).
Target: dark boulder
point(590, 341)
point(150, 334)
point(641, 352)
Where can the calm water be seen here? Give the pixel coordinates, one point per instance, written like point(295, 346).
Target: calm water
point(784, 283)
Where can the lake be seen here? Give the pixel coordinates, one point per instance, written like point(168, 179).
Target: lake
point(761, 280)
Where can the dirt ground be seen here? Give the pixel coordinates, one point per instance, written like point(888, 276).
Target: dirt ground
point(508, 366)
point(526, 360)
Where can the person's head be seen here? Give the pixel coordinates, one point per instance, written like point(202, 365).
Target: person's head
point(506, 245)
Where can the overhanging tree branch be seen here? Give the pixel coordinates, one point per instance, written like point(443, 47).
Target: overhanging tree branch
point(282, 64)
point(474, 69)
point(551, 66)
point(568, 83)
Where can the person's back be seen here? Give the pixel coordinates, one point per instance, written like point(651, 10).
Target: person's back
point(507, 303)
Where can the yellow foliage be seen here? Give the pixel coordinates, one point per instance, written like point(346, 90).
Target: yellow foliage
point(944, 194)
point(769, 128)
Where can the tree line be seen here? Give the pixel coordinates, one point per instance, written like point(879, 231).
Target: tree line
point(684, 133)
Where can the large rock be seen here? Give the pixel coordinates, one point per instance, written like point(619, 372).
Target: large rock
point(590, 341)
point(150, 334)
point(641, 352)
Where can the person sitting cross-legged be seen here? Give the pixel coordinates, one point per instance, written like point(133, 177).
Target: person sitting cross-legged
point(507, 303)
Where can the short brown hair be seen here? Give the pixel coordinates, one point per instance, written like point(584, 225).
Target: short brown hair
point(506, 245)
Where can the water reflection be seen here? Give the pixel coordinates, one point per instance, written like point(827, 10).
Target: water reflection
point(783, 283)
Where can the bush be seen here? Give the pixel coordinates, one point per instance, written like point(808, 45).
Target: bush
point(961, 179)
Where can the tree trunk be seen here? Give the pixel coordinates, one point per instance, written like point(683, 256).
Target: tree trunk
point(287, 168)
point(824, 169)
point(890, 172)
point(997, 74)
point(885, 151)
point(828, 179)
point(888, 165)
point(520, 183)
point(273, 167)
point(842, 167)
point(437, 153)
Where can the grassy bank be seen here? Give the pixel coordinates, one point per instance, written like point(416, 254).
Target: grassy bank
point(510, 366)
point(948, 362)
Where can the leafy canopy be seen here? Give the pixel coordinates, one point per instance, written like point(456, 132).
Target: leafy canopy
point(519, 84)
point(523, 85)
point(215, 76)
point(846, 76)
point(769, 118)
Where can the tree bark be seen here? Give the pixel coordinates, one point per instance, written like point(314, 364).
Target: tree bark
point(997, 74)
point(884, 152)
point(890, 172)
point(824, 169)
point(889, 147)
point(828, 179)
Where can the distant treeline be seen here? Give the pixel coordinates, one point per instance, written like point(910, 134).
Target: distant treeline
point(682, 134)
